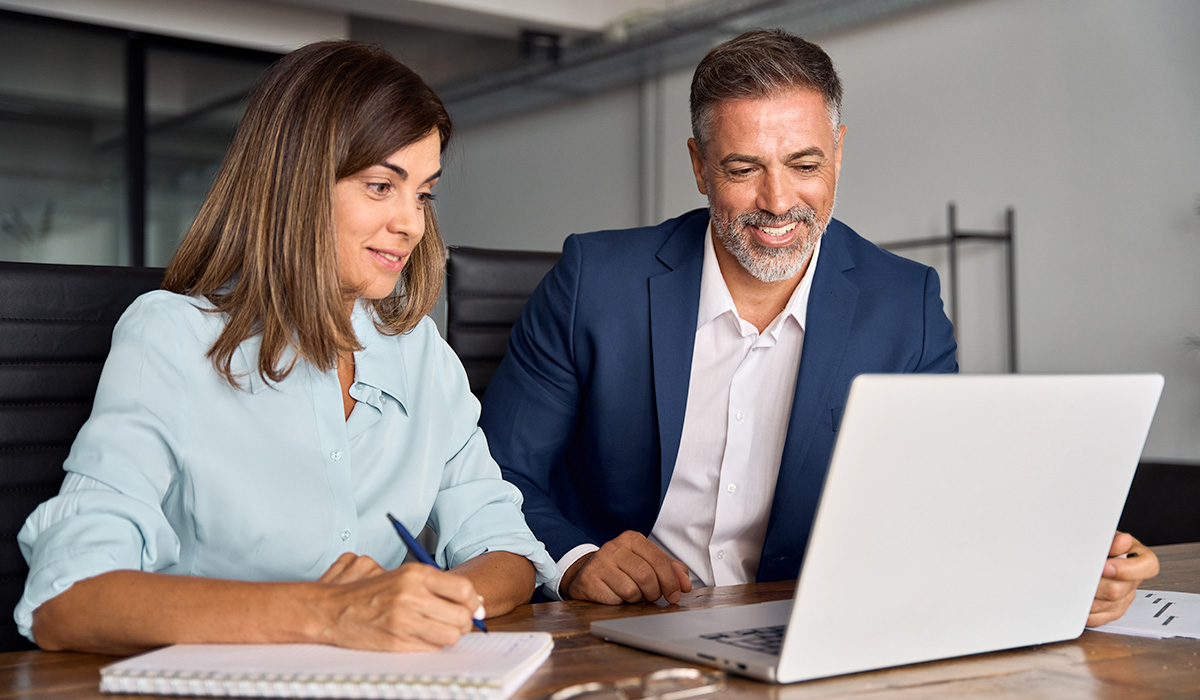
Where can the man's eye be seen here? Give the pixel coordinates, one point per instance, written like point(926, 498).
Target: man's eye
point(808, 167)
point(741, 172)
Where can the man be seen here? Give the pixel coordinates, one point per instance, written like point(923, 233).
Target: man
point(671, 394)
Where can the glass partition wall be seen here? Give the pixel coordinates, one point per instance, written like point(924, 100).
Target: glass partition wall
point(109, 139)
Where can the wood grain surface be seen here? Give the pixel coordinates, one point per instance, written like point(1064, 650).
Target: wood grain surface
point(1096, 665)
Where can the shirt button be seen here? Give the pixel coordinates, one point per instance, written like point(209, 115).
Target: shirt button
point(740, 416)
point(731, 488)
point(345, 535)
point(335, 455)
point(720, 554)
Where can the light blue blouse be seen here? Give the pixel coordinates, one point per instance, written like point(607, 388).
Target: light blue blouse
point(178, 472)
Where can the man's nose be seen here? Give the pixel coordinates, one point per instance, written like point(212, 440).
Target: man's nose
point(774, 195)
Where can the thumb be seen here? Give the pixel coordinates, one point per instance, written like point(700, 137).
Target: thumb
point(681, 573)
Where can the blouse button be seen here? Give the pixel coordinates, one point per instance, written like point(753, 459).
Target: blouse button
point(345, 535)
point(335, 455)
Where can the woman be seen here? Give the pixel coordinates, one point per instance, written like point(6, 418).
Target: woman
point(258, 418)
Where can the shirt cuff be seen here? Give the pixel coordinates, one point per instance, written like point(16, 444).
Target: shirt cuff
point(550, 588)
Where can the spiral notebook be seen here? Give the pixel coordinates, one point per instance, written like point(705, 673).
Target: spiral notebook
point(490, 665)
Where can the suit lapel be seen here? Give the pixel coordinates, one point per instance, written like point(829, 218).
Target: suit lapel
point(830, 317)
point(674, 305)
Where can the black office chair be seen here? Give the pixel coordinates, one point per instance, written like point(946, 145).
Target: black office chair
point(56, 325)
point(485, 292)
point(1163, 506)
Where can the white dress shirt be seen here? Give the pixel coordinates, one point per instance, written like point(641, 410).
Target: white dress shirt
point(714, 516)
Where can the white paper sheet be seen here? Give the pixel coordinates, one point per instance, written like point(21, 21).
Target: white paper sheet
point(1159, 614)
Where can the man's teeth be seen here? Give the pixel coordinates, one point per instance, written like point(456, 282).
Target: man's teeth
point(771, 231)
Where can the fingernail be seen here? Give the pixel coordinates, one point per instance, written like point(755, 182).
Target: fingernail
point(480, 613)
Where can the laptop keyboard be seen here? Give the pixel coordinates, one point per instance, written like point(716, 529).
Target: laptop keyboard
point(767, 640)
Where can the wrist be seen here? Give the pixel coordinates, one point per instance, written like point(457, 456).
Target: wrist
point(310, 612)
point(572, 572)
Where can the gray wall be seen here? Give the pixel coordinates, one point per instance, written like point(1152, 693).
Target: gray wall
point(1084, 115)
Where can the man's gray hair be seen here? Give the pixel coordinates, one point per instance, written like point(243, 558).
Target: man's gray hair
point(759, 63)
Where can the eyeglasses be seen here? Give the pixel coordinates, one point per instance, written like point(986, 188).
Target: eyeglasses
point(665, 684)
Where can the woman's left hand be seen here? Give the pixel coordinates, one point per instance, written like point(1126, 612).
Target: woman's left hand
point(351, 567)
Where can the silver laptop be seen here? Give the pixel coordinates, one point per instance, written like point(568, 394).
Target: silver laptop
point(961, 514)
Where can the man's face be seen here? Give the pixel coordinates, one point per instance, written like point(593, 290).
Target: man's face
point(770, 171)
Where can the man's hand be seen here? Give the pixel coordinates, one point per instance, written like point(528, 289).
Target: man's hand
point(627, 569)
point(1121, 577)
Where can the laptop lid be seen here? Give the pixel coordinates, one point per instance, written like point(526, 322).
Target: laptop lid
point(961, 514)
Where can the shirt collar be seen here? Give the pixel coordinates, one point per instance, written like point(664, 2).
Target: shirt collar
point(716, 300)
point(377, 365)
point(375, 368)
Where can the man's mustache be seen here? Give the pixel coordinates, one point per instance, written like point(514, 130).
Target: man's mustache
point(760, 218)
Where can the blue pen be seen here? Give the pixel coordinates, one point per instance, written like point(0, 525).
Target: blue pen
point(422, 556)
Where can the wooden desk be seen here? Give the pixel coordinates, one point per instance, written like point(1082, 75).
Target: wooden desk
point(1094, 666)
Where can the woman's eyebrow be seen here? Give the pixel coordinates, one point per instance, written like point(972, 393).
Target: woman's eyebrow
point(404, 173)
point(396, 169)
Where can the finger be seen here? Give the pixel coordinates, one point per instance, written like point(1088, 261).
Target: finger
point(434, 597)
point(618, 568)
point(637, 580)
point(1113, 589)
point(439, 611)
point(1122, 543)
point(356, 568)
point(590, 585)
point(451, 587)
point(604, 578)
point(1137, 563)
point(683, 576)
point(432, 621)
point(1103, 612)
point(667, 582)
point(361, 567)
point(339, 565)
point(1133, 569)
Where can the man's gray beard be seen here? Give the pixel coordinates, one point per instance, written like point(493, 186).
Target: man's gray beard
point(764, 263)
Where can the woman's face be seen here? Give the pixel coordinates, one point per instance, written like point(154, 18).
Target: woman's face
point(379, 215)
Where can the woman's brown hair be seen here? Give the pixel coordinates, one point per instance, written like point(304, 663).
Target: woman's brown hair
point(263, 248)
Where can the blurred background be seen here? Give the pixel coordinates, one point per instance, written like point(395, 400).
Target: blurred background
point(1082, 117)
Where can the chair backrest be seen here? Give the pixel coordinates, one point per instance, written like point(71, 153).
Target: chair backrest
point(1162, 504)
point(485, 292)
point(56, 325)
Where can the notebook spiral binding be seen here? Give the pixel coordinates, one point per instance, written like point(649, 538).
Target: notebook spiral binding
point(275, 686)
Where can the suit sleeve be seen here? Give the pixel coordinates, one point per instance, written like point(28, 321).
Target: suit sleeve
point(939, 348)
point(532, 406)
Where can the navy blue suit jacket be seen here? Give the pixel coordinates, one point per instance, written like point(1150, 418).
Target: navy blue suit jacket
point(585, 412)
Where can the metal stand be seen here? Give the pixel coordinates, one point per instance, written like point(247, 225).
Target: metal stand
point(951, 240)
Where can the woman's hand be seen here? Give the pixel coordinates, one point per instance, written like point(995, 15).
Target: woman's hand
point(351, 567)
point(412, 608)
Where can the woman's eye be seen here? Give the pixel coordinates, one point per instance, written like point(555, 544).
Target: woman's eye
point(426, 197)
point(379, 187)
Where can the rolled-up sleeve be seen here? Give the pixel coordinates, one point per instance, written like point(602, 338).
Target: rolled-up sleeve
point(476, 510)
point(108, 514)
